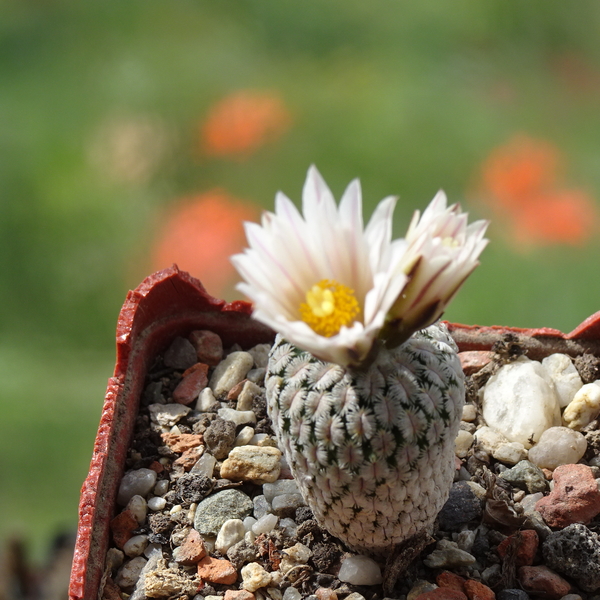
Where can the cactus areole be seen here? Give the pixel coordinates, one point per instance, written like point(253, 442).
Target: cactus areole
point(364, 386)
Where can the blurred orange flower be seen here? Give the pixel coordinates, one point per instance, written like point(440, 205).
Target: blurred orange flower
point(521, 183)
point(199, 234)
point(242, 122)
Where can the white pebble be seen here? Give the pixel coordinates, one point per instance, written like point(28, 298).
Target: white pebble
point(274, 593)
point(566, 379)
point(139, 507)
point(205, 465)
point(248, 523)
point(558, 446)
point(469, 413)
point(259, 437)
point(176, 508)
point(249, 537)
point(529, 501)
point(264, 524)
point(360, 570)
point(231, 532)
point(260, 354)
point(135, 545)
point(288, 526)
point(129, 573)
point(519, 401)
point(244, 436)
point(239, 417)
point(279, 487)
point(230, 371)
point(156, 503)
point(489, 439)
point(206, 400)
point(135, 483)
point(254, 577)
point(246, 398)
point(510, 453)
point(462, 443)
point(168, 415)
point(584, 407)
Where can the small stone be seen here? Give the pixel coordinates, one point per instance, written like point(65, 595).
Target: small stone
point(192, 488)
point(135, 545)
point(512, 594)
point(575, 552)
point(462, 443)
point(138, 507)
point(326, 594)
point(208, 347)
point(239, 595)
point(519, 401)
point(241, 553)
point(205, 465)
point(584, 408)
point(442, 594)
point(252, 463)
point(122, 527)
point(469, 413)
point(448, 556)
point(281, 486)
point(265, 524)
point(257, 375)
point(461, 507)
point(510, 453)
point(254, 577)
point(235, 391)
point(189, 388)
point(574, 499)
point(447, 579)
point(189, 458)
point(239, 417)
point(472, 361)
point(231, 532)
point(492, 575)
point(129, 573)
point(230, 371)
point(529, 501)
point(292, 593)
point(360, 570)
point(261, 506)
point(219, 437)
point(355, 596)
point(161, 487)
point(213, 511)
point(246, 398)
point(192, 550)
point(156, 503)
point(206, 401)
point(180, 442)
point(168, 415)
point(526, 476)
point(217, 570)
point(180, 354)
point(465, 539)
point(524, 543)
point(563, 373)
point(419, 587)
point(244, 436)
point(260, 354)
point(489, 439)
point(558, 446)
point(542, 581)
point(285, 505)
point(476, 590)
point(138, 482)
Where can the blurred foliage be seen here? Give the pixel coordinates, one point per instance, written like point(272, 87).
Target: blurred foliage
point(101, 108)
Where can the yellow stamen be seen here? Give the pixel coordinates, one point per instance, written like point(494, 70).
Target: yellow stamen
point(329, 305)
point(450, 242)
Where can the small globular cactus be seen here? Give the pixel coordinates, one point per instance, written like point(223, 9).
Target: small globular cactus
point(364, 385)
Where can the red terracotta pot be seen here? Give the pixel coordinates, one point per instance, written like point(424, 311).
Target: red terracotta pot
point(171, 303)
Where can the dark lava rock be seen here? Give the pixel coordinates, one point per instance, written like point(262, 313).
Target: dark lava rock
point(461, 507)
point(181, 354)
point(193, 488)
point(514, 594)
point(160, 523)
point(303, 513)
point(575, 552)
point(220, 437)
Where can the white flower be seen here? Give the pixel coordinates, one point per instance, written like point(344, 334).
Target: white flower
point(320, 279)
point(442, 252)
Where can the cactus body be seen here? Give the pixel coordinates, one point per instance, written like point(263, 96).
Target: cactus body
point(372, 450)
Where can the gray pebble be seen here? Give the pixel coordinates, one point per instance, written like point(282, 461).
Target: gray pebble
point(512, 594)
point(129, 573)
point(220, 437)
point(242, 553)
point(285, 505)
point(135, 483)
point(260, 354)
point(261, 506)
point(448, 557)
point(575, 552)
point(256, 376)
point(281, 486)
point(213, 511)
point(527, 476)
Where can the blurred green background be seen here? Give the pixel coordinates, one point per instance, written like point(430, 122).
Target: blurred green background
point(116, 115)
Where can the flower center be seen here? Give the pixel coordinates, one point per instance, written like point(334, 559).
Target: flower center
point(329, 306)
